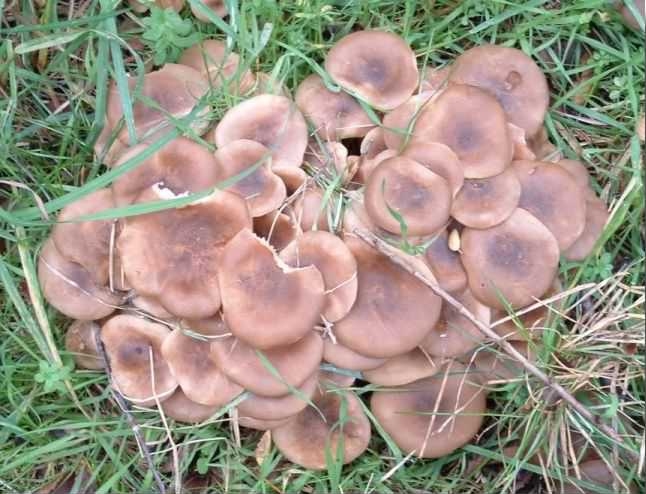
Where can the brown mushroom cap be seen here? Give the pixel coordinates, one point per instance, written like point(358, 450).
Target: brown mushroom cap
point(310, 208)
point(267, 84)
point(515, 261)
point(596, 217)
point(152, 306)
point(273, 121)
point(278, 229)
point(399, 123)
point(372, 143)
point(434, 78)
point(597, 473)
point(578, 171)
point(344, 358)
point(552, 195)
point(454, 334)
point(88, 242)
point(368, 165)
point(512, 77)
point(439, 159)
point(445, 264)
point(128, 341)
point(329, 380)
point(403, 369)
point(179, 407)
point(181, 165)
point(70, 288)
point(522, 150)
point(259, 424)
point(542, 147)
point(393, 311)
point(334, 116)
point(280, 407)
point(433, 416)
point(263, 190)
point(486, 202)
point(293, 178)
point(190, 362)
point(80, 341)
point(378, 67)
point(173, 255)
point(266, 303)
point(305, 439)
point(337, 265)
point(420, 196)
point(493, 364)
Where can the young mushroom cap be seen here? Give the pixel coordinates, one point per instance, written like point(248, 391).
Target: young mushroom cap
point(179, 407)
point(130, 342)
point(334, 116)
point(439, 159)
point(174, 254)
point(433, 416)
point(278, 229)
point(515, 261)
point(596, 217)
point(552, 195)
point(393, 311)
point(273, 121)
point(266, 303)
point(486, 202)
point(332, 257)
point(263, 190)
point(70, 288)
point(307, 436)
point(80, 341)
point(376, 66)
point(344, 358)
point(421, 197)
point(512, 77)
point(445, 264)
point(403, 369)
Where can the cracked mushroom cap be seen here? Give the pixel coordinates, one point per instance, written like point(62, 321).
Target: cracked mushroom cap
point(445, 264)
point(433, 416)
point(454, 334)
point(273, 121)
point(552, 195)
point(70, 288)
point(378, 67)
point(515, 261)
point(263, 190)
point(421, 197)
point(278, 229)
point(80, 342)
point(181, 165)
point(439, 159)
point(342, 357)
point(174, 254)
point(512, 77)
point(191, 363)
point(266, 303)
point(179, 407)
point(87, 242)
point(486, 202)
point(128, 341)
point(334, 116)
point(329, 254)
point(403, 369)
point(306, 437)
point(393, 311)
point(596, 217)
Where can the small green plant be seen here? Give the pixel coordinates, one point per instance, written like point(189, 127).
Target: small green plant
point(52, 377)
point(168, 34)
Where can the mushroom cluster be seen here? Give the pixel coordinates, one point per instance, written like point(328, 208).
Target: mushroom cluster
point(238, 297)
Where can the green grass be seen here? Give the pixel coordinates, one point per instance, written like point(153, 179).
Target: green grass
point(55, 62)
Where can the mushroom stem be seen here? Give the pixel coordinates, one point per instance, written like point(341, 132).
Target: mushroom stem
point(394, 256)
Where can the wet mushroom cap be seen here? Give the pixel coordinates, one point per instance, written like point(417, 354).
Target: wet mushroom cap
point(439, 159)
point(304, 439)
point(378, 67)
point(512, 77)
point(596, 217)
point(486, 202)
point(329, 254)
point(439, 413)
point(393, 311)
point(273, 121)
point(552, 195)
point(80, 341)
point(344, 358)
point(334, 116)
point(403, 369)
point(130, 342)
point(421, 197)
point(182, 246)
point(179, 407)
point(515, 261)
point(445, 264)
point(278, 229)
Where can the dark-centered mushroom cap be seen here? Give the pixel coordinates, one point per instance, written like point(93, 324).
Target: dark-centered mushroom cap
point(596, 217)
point(439, 159)
point(445, 264)
point(273, 121)
point(454, 334)
point(344, 358)
point(514, 261)
point(393, 311)
point(337, 265)
point(173, 255)
point(129, 341)
point(512, 77)
point(433, 416)
point(278, 229)
point(70, 288)
point(181, 165)
point(266, 303)
point(305, 439)
point(486, 202)
point(552, 195)
point(334, 116)
point(420, 196)
point(80, 342)
point(403, 369)
point(179, 407)
point(378, 67)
